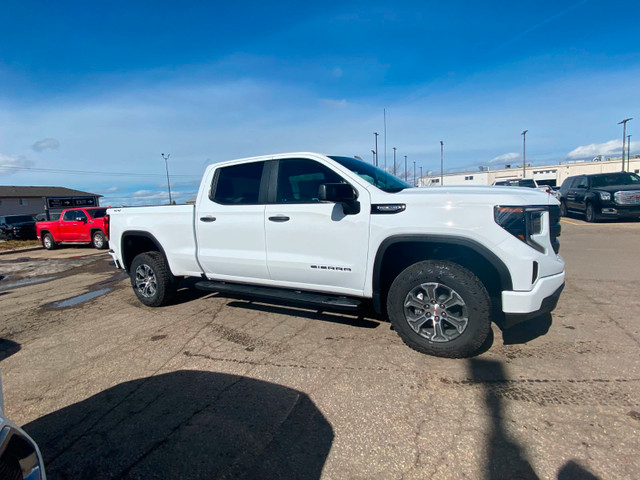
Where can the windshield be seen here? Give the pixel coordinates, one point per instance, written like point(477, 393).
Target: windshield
point(18, 219)
point(374, 175)
point(97, 213)
point(615, 179)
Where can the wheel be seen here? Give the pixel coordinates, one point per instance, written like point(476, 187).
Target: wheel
point(48, 242)
point(440, 308)
point(563, 209)
point(590, 213)
point(98, 240)
point(152, 280)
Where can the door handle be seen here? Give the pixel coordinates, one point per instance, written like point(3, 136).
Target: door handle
point(208, 219)
point(279, 218)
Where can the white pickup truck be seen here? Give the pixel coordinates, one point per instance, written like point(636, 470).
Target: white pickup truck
point(332, 232)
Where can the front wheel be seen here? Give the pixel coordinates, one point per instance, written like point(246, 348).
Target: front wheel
point(590, 213)
point(98, 240)
point(151, 279)
point(563, 209)
point(440, 308)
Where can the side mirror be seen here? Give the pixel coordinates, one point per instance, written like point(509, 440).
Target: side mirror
point(340, 193)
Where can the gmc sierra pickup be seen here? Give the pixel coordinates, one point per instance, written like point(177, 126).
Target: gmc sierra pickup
point(332, 231)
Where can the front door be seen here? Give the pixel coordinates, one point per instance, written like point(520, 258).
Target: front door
point(311, 244)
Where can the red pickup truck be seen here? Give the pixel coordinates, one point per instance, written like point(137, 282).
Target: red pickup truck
point(76, 225)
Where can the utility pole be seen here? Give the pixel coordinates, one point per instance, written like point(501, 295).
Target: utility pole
point(166, 166)
point(628, 153)
point(394, 160)
point(376, 151)
point(524, 153)
point(441, 163)
point(624, 133)
point(405, 168)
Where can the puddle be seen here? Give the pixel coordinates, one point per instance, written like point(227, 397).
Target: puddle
point(24, 282)
point(85, 297)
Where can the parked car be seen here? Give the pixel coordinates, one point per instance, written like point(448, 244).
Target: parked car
point(76, 225)
point(20, 457)
point(522, 182)
point(336, 232)
point(602, 195)
point(17, 227)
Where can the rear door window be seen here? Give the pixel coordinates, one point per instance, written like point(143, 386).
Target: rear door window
point(238, 184)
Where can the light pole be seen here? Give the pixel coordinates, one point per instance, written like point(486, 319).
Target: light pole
point(524, 153)
point(441, 163)
point(374, 157)
point(166, 166)
point(405, 168)
point(628, 153)
point(376, 135)
point(394, 160)
point(624, 132)
point(414, 174)
point(420, 173)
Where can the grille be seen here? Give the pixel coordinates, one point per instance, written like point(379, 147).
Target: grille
point(630, 197)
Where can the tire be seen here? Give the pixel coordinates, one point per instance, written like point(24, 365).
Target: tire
point(590, 213)
point(98, 240)
point(563, 209)
point(48, 242)
point(413, 305)
point(151, 279)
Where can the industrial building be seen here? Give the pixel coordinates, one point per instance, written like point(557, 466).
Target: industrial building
point(43, 200)
point(545, 175)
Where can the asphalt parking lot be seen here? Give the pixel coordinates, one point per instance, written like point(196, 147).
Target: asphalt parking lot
point(215, 387)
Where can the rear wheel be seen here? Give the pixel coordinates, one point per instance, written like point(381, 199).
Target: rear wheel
point(98, 240)
point(152, 280)
point(440, 308)
point(48, 242)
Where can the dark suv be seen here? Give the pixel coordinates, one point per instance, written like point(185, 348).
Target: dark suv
point(17, 226)
point(603, 195)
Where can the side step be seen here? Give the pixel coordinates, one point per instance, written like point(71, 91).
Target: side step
point(283, 295)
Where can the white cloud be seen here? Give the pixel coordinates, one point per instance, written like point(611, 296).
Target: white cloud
point(505, 158)
point(612, 147)
point(41, 145)
point(10, 164)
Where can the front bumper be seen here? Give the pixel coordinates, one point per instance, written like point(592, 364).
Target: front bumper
point(614, 210)
point(542, 299)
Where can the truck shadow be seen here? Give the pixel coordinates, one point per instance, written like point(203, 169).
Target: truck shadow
point(506, 458)
point(8, 348)
point(356, 319)
point(187, 425)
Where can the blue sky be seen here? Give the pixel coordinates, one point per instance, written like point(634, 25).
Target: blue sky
point(91, 93)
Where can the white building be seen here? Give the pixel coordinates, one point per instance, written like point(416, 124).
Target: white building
point(544, 175)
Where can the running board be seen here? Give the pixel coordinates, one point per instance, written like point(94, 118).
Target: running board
point(295, 296)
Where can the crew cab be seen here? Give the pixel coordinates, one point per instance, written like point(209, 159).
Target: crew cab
point(336, 232)
point(602, 195)
point(76, 225)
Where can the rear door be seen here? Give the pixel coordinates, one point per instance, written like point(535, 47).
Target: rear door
point(230, 224)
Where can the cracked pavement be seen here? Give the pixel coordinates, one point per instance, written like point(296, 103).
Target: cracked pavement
point(217, 387)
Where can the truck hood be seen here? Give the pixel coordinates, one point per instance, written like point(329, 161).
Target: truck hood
point(487, 195)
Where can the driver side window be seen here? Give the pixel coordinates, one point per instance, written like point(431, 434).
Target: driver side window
point(300, 179)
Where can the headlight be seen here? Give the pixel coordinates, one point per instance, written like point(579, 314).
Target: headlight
point(521, 222)
point(606, 196)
